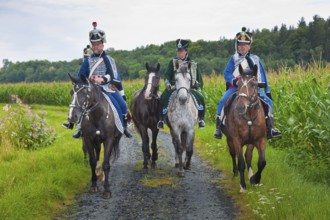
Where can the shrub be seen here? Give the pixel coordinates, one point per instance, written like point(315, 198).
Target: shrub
point(23, 129)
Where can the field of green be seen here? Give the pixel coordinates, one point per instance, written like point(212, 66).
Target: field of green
point(37, 182)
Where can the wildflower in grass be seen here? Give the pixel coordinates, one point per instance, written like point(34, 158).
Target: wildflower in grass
point(24, 129)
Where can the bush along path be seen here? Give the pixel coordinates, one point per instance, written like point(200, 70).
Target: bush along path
point(157, 193)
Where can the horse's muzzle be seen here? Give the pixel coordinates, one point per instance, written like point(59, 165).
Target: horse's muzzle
point(241, 109)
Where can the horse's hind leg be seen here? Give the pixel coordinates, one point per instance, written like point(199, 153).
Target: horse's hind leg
point(248, 159)
point(154, 148)
point(255, 179)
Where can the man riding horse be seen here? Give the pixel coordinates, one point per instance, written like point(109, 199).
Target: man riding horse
point(243, 41)
point(196, 83)
point(101, 68)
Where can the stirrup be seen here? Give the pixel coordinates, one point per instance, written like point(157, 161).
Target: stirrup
point(201, 123)
point(68, 125)
point(218, 134)
point(127, 133)
point(160, 125)
point(77, 134)
point(273, 133)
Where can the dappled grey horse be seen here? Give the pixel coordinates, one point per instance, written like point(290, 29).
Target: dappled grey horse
point(182, 117)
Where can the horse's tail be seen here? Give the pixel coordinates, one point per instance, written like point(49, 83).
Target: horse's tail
point(115, 148)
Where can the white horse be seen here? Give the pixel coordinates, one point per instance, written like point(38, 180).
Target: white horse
point(182, 117)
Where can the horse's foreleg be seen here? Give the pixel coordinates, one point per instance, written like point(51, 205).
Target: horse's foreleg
point(255, 179)
point(92, 163)
point(178, 154)
point(189, 149)
point(233, 158)
point(145, 148)
point(154, 148)
point(88, 147)
point(241, 168)
point(176, 164)
point(106, 169)
point(248, 159)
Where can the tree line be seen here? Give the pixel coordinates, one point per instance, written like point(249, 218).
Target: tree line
point(280, 47)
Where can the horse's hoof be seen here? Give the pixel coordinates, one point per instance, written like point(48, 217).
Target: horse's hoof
point(254, 180)
point(93, 189)
point(106, 195)
point(242, 190)
point(186, 167)
point(181, 173)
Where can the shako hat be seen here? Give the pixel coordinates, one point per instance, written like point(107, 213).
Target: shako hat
point(244, 37)
point(96, 35)
point(181, 44)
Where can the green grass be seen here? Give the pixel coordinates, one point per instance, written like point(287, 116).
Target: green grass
point(283, 192)
point(294, 185)
point(38, 184)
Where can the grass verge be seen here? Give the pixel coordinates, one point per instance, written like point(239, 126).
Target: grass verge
point(282, 194)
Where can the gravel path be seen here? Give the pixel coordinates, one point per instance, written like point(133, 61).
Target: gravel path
point(134, 197)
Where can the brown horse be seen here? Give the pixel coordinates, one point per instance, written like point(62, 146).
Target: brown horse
point(144, 108)
point(245, 125)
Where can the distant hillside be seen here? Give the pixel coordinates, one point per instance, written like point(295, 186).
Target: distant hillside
point(279, 47)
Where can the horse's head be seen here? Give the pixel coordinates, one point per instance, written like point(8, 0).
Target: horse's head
point(182, 80)
point(247, 89)
point(152, 81)
point(83, 97)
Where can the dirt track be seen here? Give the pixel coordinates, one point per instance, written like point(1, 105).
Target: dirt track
point(133, 196)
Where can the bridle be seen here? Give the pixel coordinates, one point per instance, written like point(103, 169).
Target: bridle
point(86, 107)
point(182, 87)
point(253, 99)
point(153, 85)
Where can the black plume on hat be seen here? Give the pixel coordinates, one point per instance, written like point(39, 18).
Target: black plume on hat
point(182, 44)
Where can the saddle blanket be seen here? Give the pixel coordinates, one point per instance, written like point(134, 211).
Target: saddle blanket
point(118, 123)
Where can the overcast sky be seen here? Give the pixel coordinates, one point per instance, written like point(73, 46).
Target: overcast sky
point(58, 29)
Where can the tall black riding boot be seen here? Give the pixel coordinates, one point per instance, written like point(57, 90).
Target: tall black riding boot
point(77, 134)
point(68, 125)
point(127, 132)
point(271, 131)
point(218, 132)
point(201, 122)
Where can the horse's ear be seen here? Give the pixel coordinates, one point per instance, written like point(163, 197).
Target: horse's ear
point(147, 66)
point(74, 79)
point(255, 70)
point(158, 67)
point(176, 65)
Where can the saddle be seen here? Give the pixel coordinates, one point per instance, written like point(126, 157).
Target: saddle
point(231, 100)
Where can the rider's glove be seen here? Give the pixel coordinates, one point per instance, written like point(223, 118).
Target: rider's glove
point(124, 97)
point(235, 81)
